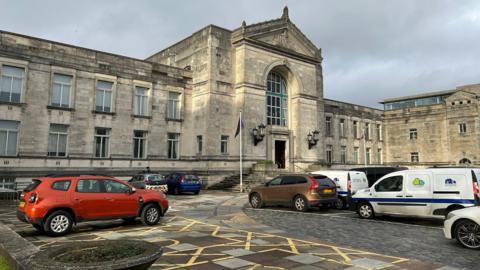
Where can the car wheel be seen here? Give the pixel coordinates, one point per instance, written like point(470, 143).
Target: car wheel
point(256, 201)
point(196, 192)
point(341, 204)
point(365, 210)
point(300, 204)
point(58, 223)
point(467, 233)
point(150, 214)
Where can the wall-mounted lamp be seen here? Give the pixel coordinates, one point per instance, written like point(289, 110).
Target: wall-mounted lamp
point(258, 134)
point(313, 139)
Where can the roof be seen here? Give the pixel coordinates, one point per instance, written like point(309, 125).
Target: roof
point(423, 95)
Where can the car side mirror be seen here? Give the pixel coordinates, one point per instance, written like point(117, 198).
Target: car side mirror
point(267, 184)
point(132, 190)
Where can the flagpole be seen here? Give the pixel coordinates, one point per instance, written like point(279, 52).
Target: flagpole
point(241, 169)
point(365, 145)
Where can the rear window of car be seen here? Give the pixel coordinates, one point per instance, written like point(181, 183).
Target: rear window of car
point(33, 185)
point(191, 177)
point(62, 185)
point(324, 181)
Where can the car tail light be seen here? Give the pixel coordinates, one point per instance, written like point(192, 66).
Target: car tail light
point(475, 188)
point(182, 179)
point(349, 185)
point(315, 184)
point(32, 198)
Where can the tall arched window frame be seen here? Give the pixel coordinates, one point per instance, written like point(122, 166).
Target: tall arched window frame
point(276, 100)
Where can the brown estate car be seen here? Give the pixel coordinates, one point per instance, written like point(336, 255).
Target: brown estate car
point(301, 191)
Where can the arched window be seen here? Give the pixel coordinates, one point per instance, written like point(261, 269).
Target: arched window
point(465, 161)
point(276, 100)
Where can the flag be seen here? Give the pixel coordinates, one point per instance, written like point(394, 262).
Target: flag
point(240, 125)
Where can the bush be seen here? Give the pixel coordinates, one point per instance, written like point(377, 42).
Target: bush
point(265, 162)
point(3, 264)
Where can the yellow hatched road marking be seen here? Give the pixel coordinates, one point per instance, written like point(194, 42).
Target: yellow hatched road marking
point(188, 226)
point(195, 256)
point(249, 238)
point(292, 246)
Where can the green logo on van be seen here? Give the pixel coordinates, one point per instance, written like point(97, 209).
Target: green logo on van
point(418, 182)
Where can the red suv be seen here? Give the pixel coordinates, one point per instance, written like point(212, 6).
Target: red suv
point(54, 203)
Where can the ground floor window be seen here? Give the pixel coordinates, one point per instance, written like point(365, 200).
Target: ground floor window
point(355, 155)
point(224, 144)
point(343, 154)
point(367, 156)
point(199, 144)
point(173, 145)
point(102, 142)
point(8, 138)
point(379, 156)
point(414, 157)
point(139, 144)
point(329, 154)
point(57, 140)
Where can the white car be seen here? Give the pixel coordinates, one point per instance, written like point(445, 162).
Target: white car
point(464, 225)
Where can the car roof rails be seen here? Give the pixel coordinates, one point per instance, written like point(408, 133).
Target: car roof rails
point(74, 174)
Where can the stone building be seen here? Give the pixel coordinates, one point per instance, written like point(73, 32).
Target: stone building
point(436, 128)
point(67, 108)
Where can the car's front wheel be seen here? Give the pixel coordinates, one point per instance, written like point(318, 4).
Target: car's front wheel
point(256, 201)
point(341, 203)
point(58, 223)
point(365, 210)
point(150, 215)
point(467, 233)
point(300, 204)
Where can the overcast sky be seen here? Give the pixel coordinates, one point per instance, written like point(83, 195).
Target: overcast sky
point(372, 50)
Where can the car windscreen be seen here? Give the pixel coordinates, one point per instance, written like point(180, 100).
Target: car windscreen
point(324, 181)
point(34, 184)
point(156, 177)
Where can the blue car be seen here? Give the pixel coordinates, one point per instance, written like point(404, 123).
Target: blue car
point(183, 182)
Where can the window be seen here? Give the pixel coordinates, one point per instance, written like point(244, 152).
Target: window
point(293, 180)
point(61, 185)
point(355, 129)
point(112, 186)
point(379, 156)
point(8, 138)
point(89, 186)
point(414, 157)
point(355, 155)
point(11, 83)
point(102, 139)
point(462, 128)
point(8, 182)
point(413, 134)
point(139, 144)
point(276, 100)
point(379, 132)
point(343, 154)
point(199, 144)
point(173, 145)
point(390, 184)
point(61, 90)
point(140, 101)
point(103, 96)
point(328, 126)
point(57, 140)
point(367, 155)
point(367, 131)
point(275, 182)
point(173, 105)
point(329, 154)
point(342, 128)
point(224, 144)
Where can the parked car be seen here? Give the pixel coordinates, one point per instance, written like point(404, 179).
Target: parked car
point(299, 191)
point(464, 225)
point(149, 181)
point(55, 203)
point(375, 173)
point(422, 193)
point(183, 182)
point(348, 183)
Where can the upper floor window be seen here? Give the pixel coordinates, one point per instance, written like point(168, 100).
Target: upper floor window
point(367, 131)
point(174, 105)
point(102, 142)
point(199, 144)
point(11, 83)
point(462, 128)
point(103, 96)
point(328, 126)
point(57, 140)
point(355, 129)
point(276, 100)
point(224, 144)
point(8, 138)
point(413, 134)
point(342, 128)
point(140, 102)
point(379, 132)
point(61, 88)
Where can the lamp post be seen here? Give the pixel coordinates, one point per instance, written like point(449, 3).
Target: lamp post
point(258, 134)
point(313, 138)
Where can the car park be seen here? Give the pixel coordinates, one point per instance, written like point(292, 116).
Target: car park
point(299, 191)
point(150, 180)
point(55, 203)
point(348, 183)
point(428, 193)
point(180, 182)
point(464, 225)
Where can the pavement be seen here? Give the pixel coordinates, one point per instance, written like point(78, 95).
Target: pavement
point(211, 231)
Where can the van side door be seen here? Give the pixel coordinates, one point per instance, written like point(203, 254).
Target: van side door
point(418, 194)
point(388, 195)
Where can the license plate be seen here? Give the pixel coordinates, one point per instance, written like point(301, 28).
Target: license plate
point(328, 190)
point(22, 204)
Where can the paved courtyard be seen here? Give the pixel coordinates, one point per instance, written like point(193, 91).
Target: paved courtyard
point(210, 231)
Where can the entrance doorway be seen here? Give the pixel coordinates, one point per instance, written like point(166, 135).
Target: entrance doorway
point(280, 154)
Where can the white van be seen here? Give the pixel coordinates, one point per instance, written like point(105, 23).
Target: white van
point(421, 193)
point(347, 182)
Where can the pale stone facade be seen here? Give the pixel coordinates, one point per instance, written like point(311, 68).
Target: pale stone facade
point(181, 105)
